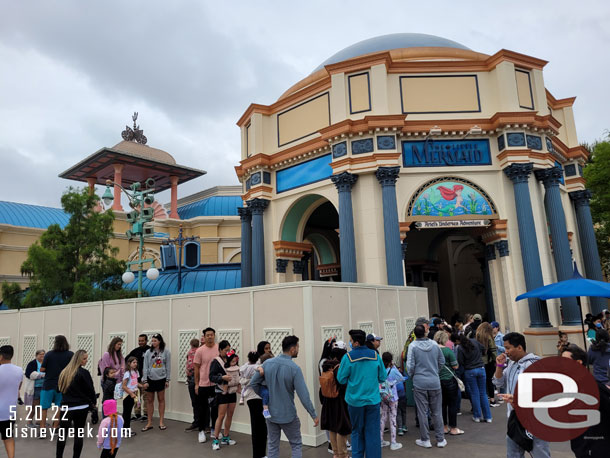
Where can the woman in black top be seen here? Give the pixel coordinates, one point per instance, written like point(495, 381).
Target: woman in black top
point(76, 385)
point(470, 357)
point(226, 402)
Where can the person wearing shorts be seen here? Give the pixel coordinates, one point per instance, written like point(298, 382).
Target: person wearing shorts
point(10, 383)
point(157, 368)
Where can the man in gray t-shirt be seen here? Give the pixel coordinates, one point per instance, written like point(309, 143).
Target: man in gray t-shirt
point(10, 382)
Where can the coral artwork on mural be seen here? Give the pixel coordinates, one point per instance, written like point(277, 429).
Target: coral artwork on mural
point(450, 198)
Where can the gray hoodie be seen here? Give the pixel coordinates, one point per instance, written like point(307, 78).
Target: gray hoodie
point(511, 374)
point(424, 362)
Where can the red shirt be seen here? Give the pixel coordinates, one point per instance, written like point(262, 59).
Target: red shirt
point(190, 367)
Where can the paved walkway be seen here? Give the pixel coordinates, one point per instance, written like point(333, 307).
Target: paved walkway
point(481, 440)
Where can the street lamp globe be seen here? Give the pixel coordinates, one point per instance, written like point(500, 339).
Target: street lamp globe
point(152, 273)
point(128, 277)
point(107, 197)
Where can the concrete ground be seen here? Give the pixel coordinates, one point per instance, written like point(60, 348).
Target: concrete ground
point(480, 440)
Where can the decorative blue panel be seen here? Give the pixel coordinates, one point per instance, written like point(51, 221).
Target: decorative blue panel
point(570, 170)
point(580, 170)
point(386, 142)
point(266, 177)
point(248, 184)
point(558, 164)
point(362, 146)
point(317, 169)
point(501, 143)
point(549, 145)
point(442, 153)
point(515, 139)
point(255, 178)
point(339, 149)
point(534, 142)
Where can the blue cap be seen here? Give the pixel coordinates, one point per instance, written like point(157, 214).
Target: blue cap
point(495, 324)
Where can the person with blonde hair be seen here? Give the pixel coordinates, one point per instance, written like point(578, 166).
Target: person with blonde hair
point(485, 336)
point(78, 395)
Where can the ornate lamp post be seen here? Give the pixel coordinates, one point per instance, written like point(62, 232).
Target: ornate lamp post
point(179, 241)
point(138, 218)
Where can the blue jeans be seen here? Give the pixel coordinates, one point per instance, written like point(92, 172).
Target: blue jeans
point(541, 449)
point(265, 395)
point(366, 440)
point(292, 431)
point(475, 381)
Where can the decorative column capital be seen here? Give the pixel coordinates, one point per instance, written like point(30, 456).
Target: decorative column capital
point(344, 181)
point(245, 214)
point(502, 247)
point(280, 265)
point(550, 177)
point(581, 198)
point(257, 206)
point(387, 176)
point(519, 173)
point(490, 252)
point(298, 267)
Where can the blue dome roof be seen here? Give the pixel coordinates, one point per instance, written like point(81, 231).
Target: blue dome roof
point(26, 215)
point(391, 41)
point(212, 206)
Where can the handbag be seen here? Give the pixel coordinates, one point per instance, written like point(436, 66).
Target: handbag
point(518, 434)
point(460, 384)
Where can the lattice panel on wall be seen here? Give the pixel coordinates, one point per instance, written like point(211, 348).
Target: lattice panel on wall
point(275, 336)
point(122, 335)
point(29, 349)
point(85, 342)
point(5, 341)
point(409, 325)
point(184, 345)
point(234, 338)
point(51, 341)
point(328, 332)
point(390, 331)
point(366, 326)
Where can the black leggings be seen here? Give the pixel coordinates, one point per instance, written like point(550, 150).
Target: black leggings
point(258, 426)
point(74, 419)
point(106, 453)
point(127, 408)
point(207, 413)
point(449, 390)
point(490, 369)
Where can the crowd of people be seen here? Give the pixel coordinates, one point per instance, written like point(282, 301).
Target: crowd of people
point(363, 394)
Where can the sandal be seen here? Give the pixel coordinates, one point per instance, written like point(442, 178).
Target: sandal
point(459, 433)
point(146, 428)
point(162, 427)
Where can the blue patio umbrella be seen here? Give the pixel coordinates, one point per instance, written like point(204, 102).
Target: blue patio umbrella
point(576, 286)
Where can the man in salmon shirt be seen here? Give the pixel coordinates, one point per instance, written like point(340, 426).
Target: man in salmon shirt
point(204, 389)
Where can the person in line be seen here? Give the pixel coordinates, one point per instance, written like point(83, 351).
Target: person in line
point(334, 417)
point(470, 357)
point(326, 349)
point(264, 391)
point(53, 363)
point(373, 342)
point(190, 382)
point(472, 328)
point(204, 388)
point(389, 407)
point(485, 337)
point(108, 383)
point(423, 321)
point(498, 337)
point(156, 378)
point(283, 378)
point(32, 372)
point(10, 384)
point(130, 387)
point(362, 370)
point(506, 376)
point(449, 386)
point(401, 415)
point(109, 435)
point(562, 343)
point(595, 441)
point(468, 320)
point(138, 353)
point(258, 425)
point(225, 399)
point(594, 324)
point(113, 358)
point(263, 347)
point(599, 356)
point(424, 363)
point(78, 394)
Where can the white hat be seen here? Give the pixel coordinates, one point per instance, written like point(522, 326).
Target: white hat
point(340, 344)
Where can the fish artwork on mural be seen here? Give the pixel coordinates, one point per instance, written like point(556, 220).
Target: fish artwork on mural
point(450, 198)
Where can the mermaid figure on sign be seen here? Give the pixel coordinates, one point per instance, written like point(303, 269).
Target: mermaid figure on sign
point(455, 193)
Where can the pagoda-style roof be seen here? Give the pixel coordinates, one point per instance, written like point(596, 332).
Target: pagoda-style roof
point(139, 163)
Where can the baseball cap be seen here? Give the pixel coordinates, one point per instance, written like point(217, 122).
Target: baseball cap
point(340, 344)
point(372, 337)
point(421, 320)
point(436, 321)
point(495, 324)
point(477, 317)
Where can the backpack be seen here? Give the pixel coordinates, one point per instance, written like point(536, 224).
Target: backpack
point(385, 390)
point(328, 385)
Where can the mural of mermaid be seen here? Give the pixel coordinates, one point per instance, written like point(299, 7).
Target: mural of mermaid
point(450, 198)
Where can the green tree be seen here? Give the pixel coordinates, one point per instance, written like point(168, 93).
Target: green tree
point(597, 174)
point(12, 295)
point(77, 263)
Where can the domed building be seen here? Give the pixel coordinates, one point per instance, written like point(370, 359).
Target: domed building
point(410, 159)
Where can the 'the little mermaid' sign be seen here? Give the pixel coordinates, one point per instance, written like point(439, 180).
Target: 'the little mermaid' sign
point(445, 153)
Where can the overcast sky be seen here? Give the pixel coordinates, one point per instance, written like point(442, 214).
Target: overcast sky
point(73, 72)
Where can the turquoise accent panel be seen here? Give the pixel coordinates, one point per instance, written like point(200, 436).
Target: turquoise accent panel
point(293, 218)
point(308, 172)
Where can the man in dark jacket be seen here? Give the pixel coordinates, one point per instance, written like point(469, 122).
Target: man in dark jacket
point(138, 353)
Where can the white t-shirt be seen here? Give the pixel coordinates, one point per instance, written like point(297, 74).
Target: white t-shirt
point(132, 380)
point(10, 379)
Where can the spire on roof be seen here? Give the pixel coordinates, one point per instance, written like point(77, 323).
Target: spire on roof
point(135, 134)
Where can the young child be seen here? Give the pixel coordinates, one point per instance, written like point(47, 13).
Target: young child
point(232, 369)
point(108, 384)
point(109, 433)
point(389, 408)
point(245, 375)
point(562, 343)
point(130, 388)
point(264, 389)
point(401, 415)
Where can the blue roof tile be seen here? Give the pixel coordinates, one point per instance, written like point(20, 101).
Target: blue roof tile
point(27, 215)
point(211, 206)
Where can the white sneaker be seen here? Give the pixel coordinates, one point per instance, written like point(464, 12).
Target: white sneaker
point(396, 446)
point(488, 420)
point(424, 444)
point(476, 420)
point(384, 443)
point(215, 444)
point(202, 437)
point(442, 444)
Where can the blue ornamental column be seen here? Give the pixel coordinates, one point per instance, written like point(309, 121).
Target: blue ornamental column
point(490, 255)
point(559, 236)
point(344, 182)
point(387, 177)
point(246, 246)
point(519, 175)
point(588, 244)
point(257, 207)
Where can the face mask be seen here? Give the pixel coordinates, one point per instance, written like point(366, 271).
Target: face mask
point(598, 325)
point(350, 346)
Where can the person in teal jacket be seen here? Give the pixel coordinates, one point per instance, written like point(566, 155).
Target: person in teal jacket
point(362, 370)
